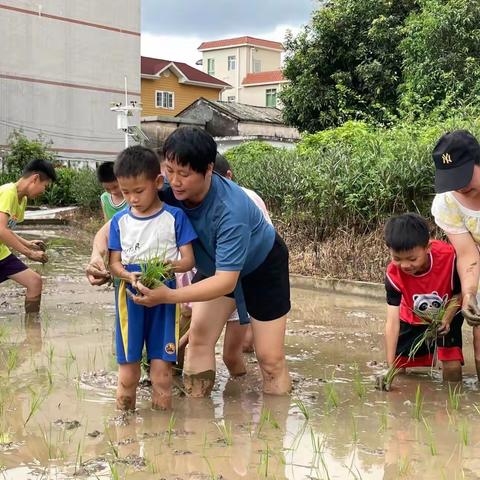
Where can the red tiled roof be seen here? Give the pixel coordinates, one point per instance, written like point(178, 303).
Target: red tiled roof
point(259, 78)
point(151, 66)
point(232, 42)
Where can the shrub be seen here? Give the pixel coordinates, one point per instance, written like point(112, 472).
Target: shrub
point(353, 176)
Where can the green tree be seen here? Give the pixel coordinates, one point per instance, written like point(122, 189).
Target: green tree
point(21, 150)
point(346, 65)
point(441, 51)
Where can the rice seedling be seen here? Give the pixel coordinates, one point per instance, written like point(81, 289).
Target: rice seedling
point(430, 438)
point(225, 428)
point(355, 429)
point(383, 421)
point(475, 406)
point(155, 271)
point(266, 416)
point(359, 386)
point(112, 446)
point(418, 406)
point(213, 475)
point(264, 462)
point(36, 401)
point(331, 397)
point(50, 353)
point(404, 466)
point(464, 432)
point(12, 359)
point(383, 381)
point(316, 445)
point(170, 428)
point(70, 358)
point(53, 444)
point(303, 408)
point(454, 396)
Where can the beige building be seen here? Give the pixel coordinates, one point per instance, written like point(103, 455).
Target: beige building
point(252, 66)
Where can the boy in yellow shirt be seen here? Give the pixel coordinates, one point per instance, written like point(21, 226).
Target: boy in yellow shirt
point(36, 176)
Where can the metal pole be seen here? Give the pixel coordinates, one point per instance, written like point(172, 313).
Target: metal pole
point(126, 113)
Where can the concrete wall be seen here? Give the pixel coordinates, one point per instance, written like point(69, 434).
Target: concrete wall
point(270, 59)
point(263, 129)
point(59, 75)
point(184, 94)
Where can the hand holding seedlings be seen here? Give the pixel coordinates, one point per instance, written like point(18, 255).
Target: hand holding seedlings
point(96, 272)
point(38, 245)
point(37, 256)
point(150, 298)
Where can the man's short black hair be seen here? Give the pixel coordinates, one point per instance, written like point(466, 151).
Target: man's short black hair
point(406, 231)
point(191, 146)
point(105, 173)
point(43, 168)
point(136, 161)
point(221, 165)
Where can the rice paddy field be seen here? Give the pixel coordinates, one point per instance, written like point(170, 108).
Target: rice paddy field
point(57, 398)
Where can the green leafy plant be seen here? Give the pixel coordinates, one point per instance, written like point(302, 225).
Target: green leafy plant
point(418, 406)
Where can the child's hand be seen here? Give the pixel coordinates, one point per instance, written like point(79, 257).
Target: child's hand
point(443, 329)
point(37, 245)
point(133, 278)
point(37, 256)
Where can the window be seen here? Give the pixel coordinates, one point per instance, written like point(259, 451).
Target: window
point(257, 66)
point(271, 99)
point(232, 62)
point(211, 66)
point(231, 99)
point(164, 100)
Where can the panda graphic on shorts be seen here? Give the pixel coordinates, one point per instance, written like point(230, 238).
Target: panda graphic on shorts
point(429, 304)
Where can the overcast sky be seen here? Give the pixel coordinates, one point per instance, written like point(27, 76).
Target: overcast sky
point(173, 29)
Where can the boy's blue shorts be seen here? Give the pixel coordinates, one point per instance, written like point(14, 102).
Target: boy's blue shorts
point(136, 326)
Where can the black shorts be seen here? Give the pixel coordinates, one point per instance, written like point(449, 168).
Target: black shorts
point(449, 347)
point(267, 288)
point(9, 266)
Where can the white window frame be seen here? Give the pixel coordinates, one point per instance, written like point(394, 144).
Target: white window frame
point(257, 65)
point(232, 62)
point(211, 66)
point(271, 92)
point(164, 94)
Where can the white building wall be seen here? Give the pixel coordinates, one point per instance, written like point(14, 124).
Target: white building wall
point(257, 95)
point(59, 75)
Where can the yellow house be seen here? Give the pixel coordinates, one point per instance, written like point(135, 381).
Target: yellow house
point(169, 87)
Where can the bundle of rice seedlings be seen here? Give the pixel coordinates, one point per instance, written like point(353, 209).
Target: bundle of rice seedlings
point(433, 321)
point(384, 380)
point(155, 271)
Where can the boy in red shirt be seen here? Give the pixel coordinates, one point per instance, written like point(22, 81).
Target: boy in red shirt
point(420, 280)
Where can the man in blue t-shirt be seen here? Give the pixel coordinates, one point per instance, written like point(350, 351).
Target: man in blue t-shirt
point(244, 259)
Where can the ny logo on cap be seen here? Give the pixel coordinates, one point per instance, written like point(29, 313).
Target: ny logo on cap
point(446, 158)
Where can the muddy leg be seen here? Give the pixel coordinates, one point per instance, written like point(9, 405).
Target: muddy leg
point(161, 378)
point(32, 281)
point(199, 384)
point(185, 320)
point(128, 378)
point(248, 340)
point(208, 320)
point(232, 348)
point(452, 371)
point(269, 339)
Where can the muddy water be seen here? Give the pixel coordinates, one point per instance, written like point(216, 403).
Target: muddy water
point(58, 417)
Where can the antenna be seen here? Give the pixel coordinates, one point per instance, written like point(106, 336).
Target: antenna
point(125, 119)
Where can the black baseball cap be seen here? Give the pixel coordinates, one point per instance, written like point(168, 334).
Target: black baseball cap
point(455, 155)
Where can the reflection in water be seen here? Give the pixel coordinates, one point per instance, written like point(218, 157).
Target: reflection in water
point(58, 417)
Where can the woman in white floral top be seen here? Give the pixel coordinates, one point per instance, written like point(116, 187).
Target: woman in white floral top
point(456, 209)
